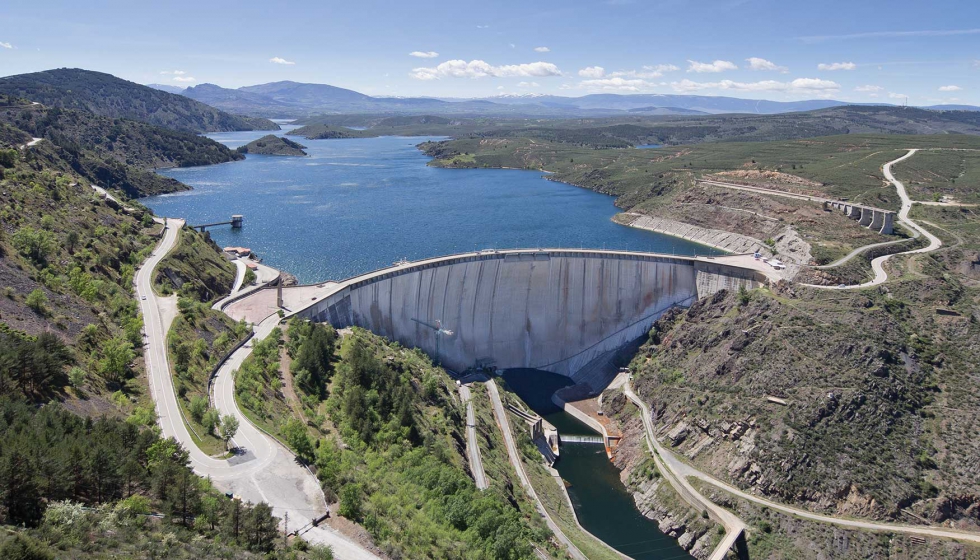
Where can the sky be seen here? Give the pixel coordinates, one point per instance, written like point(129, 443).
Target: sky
point(859, 51)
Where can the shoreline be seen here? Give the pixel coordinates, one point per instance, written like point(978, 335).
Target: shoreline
point(734, 243)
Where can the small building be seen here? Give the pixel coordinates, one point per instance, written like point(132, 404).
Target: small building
point(238, 251)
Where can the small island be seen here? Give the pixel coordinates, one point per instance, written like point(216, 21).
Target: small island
point(325, 132)
point(272, 145)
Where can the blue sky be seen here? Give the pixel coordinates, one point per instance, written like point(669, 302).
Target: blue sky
point(862, 51)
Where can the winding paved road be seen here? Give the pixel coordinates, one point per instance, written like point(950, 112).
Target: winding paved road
point(682, 471)
point(877, 264)
point(472, 447)
point(240, 269)
point(264, 471)
point(676, 473)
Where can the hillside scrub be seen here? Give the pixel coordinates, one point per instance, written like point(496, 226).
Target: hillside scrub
point(67, 261)
point(385, 436)
point(867, 377)
point(113, 153)
point(106, 95)
point(198, 339)
point(195, 268)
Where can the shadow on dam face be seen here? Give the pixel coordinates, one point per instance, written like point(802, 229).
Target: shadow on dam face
point(554, 310)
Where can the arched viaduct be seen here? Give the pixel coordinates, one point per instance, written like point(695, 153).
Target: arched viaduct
point(547, 309)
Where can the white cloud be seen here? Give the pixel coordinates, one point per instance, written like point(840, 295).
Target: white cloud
point(950, 88)
point(837, 66)
point(592, 72)
point(6, 45)
point(529, 84)
point(481, 69)
point(646, 72)
point(810, 86)
point(278, 60)
point(716, 66)
point(756, 63)
point(423, 54)
point(483, 27)
point(174, 72)
point(183, 79)
point(542, 49)
point(894, 95)
point(617, 84)
point(868, 89)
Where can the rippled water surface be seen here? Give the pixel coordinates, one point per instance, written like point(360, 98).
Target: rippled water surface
point(358, 205)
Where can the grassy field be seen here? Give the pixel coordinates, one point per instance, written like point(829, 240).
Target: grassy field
point(933, 174)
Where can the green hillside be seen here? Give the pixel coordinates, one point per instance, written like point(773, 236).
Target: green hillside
point(109, 96)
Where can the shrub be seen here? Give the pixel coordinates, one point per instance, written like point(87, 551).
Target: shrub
point(350, 502)
point(199, 405)
point(23, 547)
point(66, 514)
point(76, 377)
point(8, 158)
point(117, 353)
point(37, 301)
point(35, 244)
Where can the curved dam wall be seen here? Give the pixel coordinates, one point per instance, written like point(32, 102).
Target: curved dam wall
point(550, 309)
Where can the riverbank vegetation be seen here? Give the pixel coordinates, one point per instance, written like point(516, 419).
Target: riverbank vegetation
point(110, 152)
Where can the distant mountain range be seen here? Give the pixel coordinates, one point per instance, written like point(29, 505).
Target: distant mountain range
point(167, 88)
point(108, 96)
point(294, 100)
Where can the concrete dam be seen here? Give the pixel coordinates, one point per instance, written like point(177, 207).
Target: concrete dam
point(548, 309)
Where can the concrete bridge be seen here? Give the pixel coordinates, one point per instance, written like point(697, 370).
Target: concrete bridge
point(548, 309)
point(875, 219)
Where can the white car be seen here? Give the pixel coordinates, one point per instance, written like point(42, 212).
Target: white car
point(143, 298)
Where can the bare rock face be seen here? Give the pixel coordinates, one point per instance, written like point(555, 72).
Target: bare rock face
point(673, 517)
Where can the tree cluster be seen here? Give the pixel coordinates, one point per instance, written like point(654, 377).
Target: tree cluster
point(50, 456)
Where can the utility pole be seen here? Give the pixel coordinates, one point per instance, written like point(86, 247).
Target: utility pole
point(285, 530)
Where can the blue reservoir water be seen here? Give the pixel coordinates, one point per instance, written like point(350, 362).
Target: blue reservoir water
point(358, 205)
point(647, 146)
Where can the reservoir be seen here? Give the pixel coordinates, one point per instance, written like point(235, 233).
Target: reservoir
point(357, 205)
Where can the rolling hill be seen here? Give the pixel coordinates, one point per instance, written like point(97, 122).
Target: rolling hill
point(109, 96)
point(288, 99)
